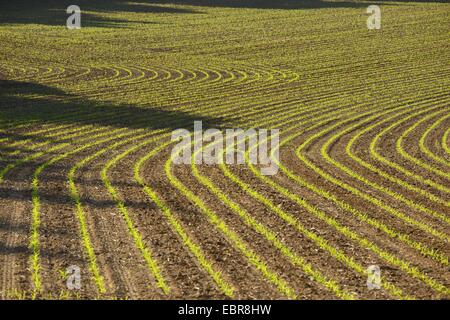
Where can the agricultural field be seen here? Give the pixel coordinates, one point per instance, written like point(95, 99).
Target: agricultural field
point(88, 180)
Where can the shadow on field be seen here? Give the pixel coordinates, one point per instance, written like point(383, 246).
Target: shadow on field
point(22, 102)
point(26, 101)
point(53, 12)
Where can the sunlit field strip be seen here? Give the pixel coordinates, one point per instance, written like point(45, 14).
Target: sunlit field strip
point(423, 139)
point(234, 86)
point(377, 156)
point(400, 149)
point(55, 72)
point(73, 77)
point(445, 141)
point(116, 80)
point(117, 76)
point(294, 222)
point(231, 236)
point(296, 260)
point(118, 86)
point(58, 72)
point(399, 197)
point(130, 86)
point(342, 229)
point(354, 141)
point(38, 76)
point(354, 190)
point(373, 222)
point(425, 251)
point(175, 224)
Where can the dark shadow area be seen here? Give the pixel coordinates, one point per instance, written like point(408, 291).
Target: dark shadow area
point(26, 101)
point(53, 12)
point(8, 250)
point(25, 250)
point(64, 199)
point(17, 228)
point(23, 230)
